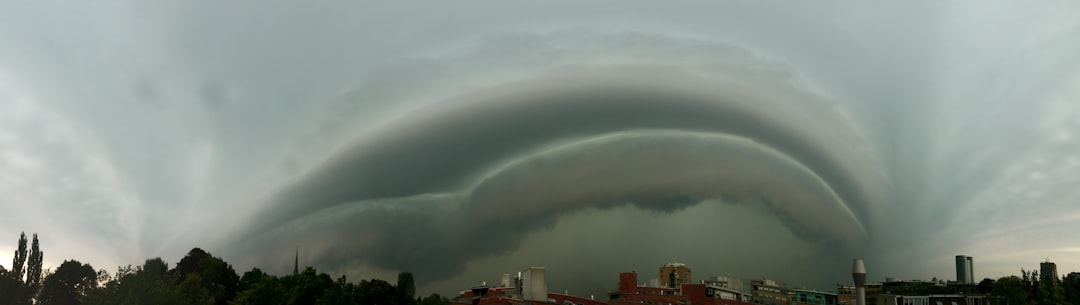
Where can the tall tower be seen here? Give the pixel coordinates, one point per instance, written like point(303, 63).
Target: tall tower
point(963, 270)
point(858, 273)
point(1048, 271)
point(970, 271)
point(296, 263)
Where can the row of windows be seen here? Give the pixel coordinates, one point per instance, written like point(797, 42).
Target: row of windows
point(769, 289)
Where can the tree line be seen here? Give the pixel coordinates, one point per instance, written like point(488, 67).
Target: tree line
point(1031, 289)
point(199, 278)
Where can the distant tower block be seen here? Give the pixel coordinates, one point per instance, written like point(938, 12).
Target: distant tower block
point(858, 273)
point(970, 271)
point(1048, 271)
point(964, 274)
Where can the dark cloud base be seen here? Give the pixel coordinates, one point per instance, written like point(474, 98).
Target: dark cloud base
point(663, 171)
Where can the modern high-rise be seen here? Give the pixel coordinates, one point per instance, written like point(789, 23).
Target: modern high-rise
point(1048, 271)
point(965, 270)
point(672, 275)
point(970, 271)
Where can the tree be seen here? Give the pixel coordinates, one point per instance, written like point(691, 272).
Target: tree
point(986, 286)
point(18, 264)
point(1012, 290)
point(27, 277)
point(1071, 285)
point(214, 274)
point(33, 268)
point(377, 291)
point(258, 288)
point(434, 299)
point(146, 284)
point(1051, 293)
point(309, 287)
point(406, 286)
point(68, 284)
point(9, 287)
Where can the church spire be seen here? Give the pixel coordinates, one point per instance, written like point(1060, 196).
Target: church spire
point(296, 263)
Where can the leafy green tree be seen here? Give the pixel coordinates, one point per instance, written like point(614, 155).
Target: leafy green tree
point(377, 291)
point(9, 287)
point(986, 286)
point(194, 292)
point(68, 284)
point(258, 288)
point(27, 277)
point(406, 286)
point(1071, 285)
point(214, 275)
point(309, 287)
point(19, 262)
point(434, 299)
point(1051, 293)
point(1012, 290)
point(33, 268)
point(146, 284)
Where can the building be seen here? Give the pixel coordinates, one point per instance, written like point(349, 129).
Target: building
point(630, 292)
point(529, 287)
point(1048, 271)
point(933, 299)
point(768, 292)
point(735, 285)
point(813, 297)
point(674, 274)
point(1073, 276)
point(845, 295)
point(965, 273)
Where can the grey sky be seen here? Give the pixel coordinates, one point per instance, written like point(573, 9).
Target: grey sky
point(368, 133)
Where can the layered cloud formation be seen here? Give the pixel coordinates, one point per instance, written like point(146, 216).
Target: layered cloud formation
point(579, 131)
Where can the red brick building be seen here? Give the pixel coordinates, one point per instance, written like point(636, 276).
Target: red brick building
point(688, 294)
point(506, 296)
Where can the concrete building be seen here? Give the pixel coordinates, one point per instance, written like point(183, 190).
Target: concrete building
point(534, 284)
point(769, 292)
point(845, 295)
point(965, 270)
point(674, 274)
point(813, 297)
point(528, 288)
point(735, 285)
point(938, 299)
point(630, 292)
point(1048, 271)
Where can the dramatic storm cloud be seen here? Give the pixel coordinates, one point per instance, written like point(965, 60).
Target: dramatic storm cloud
point(462, 142)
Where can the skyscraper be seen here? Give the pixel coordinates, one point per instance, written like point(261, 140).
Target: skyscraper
point(1048, 271)
point(964, 266)
point(296, 263)
point(971, 270)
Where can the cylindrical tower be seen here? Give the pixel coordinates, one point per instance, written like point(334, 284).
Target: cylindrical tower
point(858, 273)
point(962, 269)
